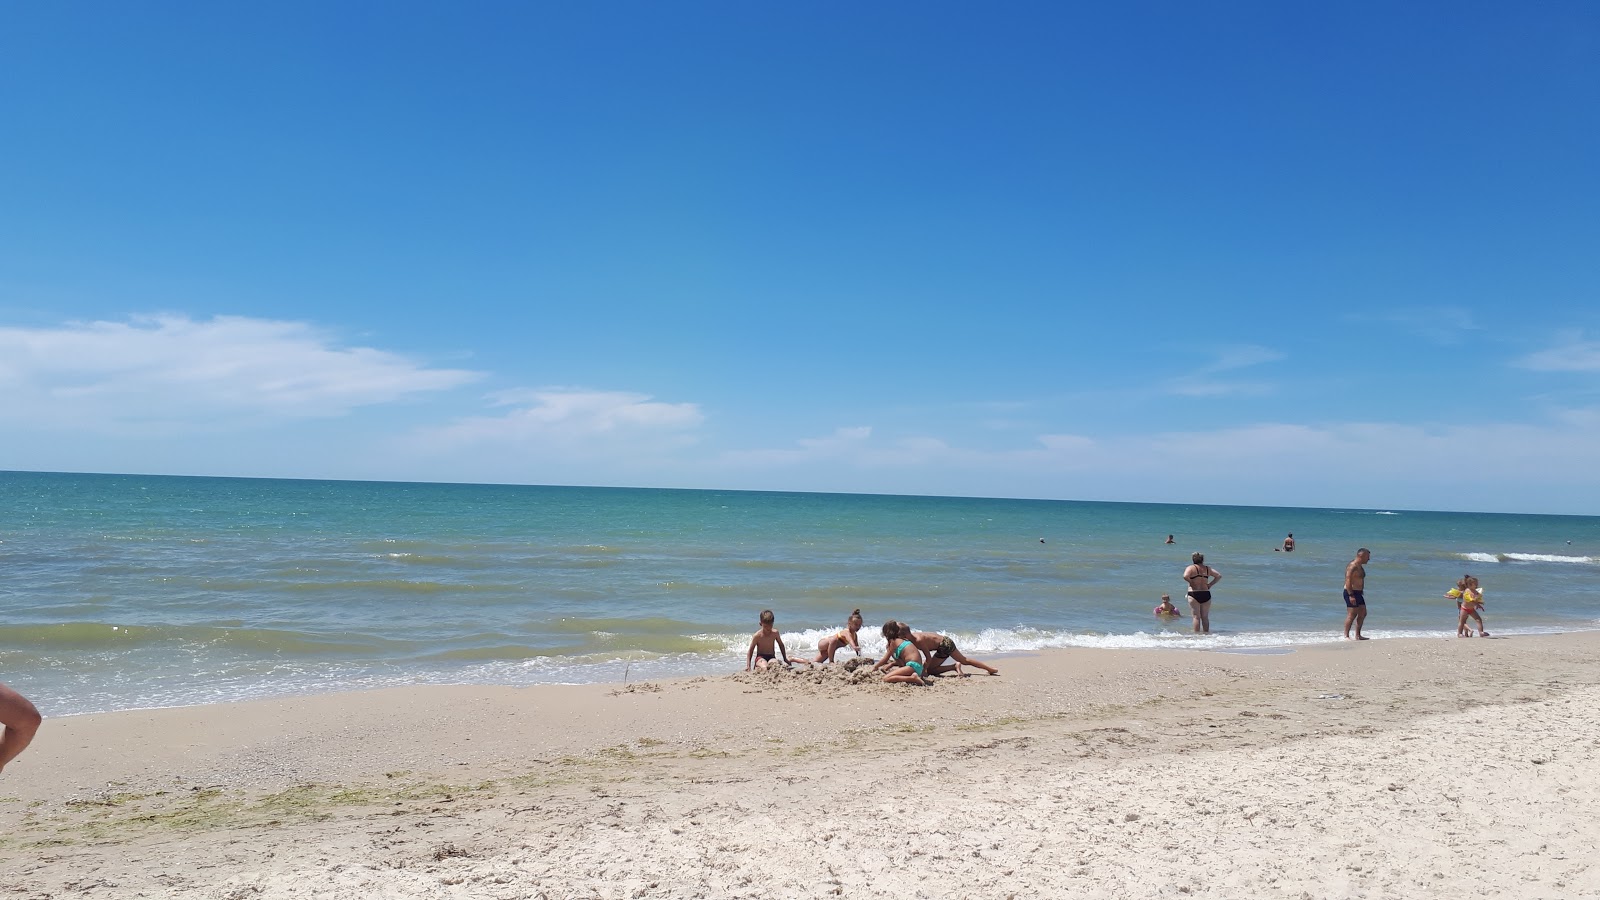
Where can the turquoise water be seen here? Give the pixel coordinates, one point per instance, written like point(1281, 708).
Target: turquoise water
point(134, 591)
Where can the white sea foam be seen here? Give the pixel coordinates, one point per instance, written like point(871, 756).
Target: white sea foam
point(1528, 557)
point(1550, 557)
point(1023, 640)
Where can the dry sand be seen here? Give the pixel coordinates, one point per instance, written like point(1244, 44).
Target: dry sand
point(1387, 769)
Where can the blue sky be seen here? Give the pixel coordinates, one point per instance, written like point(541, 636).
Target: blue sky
point(1264, 253)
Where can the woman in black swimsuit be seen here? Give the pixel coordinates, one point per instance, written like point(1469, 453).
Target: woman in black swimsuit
point(1201, 578)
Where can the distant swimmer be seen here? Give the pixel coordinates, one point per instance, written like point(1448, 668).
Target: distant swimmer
point(1355, 599)
point(1201, 579)
point(19, 721)
point(1166, 610)
point(1288, 543)
point(1170, 540)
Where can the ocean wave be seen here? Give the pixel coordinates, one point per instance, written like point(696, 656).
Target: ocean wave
point(48, 640)
point(387, 585)
point(1529, 557)
point(1551, 557)
point(1024, 640)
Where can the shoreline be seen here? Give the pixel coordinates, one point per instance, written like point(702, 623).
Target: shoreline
point(1181, 642)
point(800, 782)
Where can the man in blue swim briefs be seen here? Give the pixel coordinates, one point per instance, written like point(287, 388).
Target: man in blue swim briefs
point(1355, 601)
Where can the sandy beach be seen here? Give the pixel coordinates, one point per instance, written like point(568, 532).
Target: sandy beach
point(1402, 768)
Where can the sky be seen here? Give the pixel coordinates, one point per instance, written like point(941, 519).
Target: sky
point(1258, 253)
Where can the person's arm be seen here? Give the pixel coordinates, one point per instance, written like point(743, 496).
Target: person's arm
point(1215, 577)
point(783, 651)
point(850, 638)
point(888, 650)
point(750, 654)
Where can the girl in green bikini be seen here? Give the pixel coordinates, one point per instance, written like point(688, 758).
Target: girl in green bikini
point(901, 657)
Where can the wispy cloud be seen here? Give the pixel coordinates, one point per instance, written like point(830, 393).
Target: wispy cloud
point(571, 420)
point(171, 373)
point(844, 443)
point(1206, 381)
point(1481, 466)
point(1572, 353)
point(1443, 325)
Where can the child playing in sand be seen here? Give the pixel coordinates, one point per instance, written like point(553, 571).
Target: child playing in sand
point(901, 657)
point(763, 643)
point(1166, 610)
point(940, 649)
point(1469, 603)
point(845, 637)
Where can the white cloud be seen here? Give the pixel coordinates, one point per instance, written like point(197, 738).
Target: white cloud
point(1192, 386)
point(1443, 325)
point(1067, 443)
point(844, 443)
point(1242, 356)
point(1489, 466)
point(1572, 354)
point(1204, 383)
point(171, 373)
point(571, 420)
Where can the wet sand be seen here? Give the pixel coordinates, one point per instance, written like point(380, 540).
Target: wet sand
point(1399, 768)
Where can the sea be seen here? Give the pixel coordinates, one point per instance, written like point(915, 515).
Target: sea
point(126, 592)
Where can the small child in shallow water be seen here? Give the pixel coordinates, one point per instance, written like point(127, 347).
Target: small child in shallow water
point(1166, 610)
